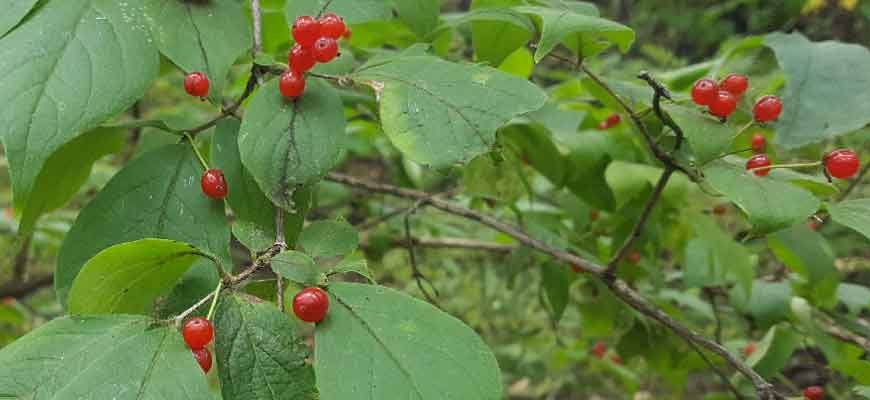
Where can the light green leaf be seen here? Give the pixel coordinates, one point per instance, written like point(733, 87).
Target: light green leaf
point(353, 11)
point(707, 137)
point(120, 357)
point(254, 225)
point(427, 103)
point(13, 12)
point(155, 196)
point(201, 36)
point(770, 205)
point(855, 297)
point(355, 263)
point(297, 267)
point(326, 239)
point(774, 350)
point(582, 32)
point(379, 343)
point(496, 32)
point(66, 171)
point(827, 90)
point(128, 278)
point(420, 15)
point(498, 180)
point(856, 369)
point(259, 356)
point(769, 302)
point(629, 179)
point(287, 144)
point(713, 258)
point(863, 391)
point(808, 254)
point(853, 213)
point(68, 68)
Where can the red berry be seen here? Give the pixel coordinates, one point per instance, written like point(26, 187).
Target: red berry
point(758, 143)
point(325, 49)
point(842, 163)
point(311, 304)
point(213, 184)
point(749, 349)
point(594, 214)
point(814, 393)
point(616, 359)
point(704, 92)
point(613, 120)
point(332, 25)
point(735, 84)
point(720, 210)
point(291, 84)
point(306, 30)
point(300, 59)
point(599, 349)
point(813, 225)
point(767, 109)
point(633, 257)
point(723, 104)
point(196, 84)
point(203, 357)
point(197, 333)
point(758, 161)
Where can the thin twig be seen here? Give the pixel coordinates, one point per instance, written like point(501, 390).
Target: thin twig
point(280, 242)
point(257, 16)
point(711, 294)
point(454, 243)
point(725, 381)
point(855, 182)
point(416, 274)
point(19, 265)
point(18, 290)
point(263, 261)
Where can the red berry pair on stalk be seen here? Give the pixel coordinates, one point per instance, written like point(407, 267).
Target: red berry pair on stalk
point(840, 164)
point(198, 333)
point(316, 42)
point(721, 98)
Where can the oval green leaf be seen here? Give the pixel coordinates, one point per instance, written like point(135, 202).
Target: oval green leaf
point(853, 213)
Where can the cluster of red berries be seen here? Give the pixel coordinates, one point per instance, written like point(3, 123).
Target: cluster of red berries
point(599, 350)
point(611, 121)
point(316, 42)
point(311, 304)
point(814, 393)
point(198, 333)
point(721, 98)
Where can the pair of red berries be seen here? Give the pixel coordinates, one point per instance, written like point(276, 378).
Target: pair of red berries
point(814, 393)
point(316, 42)
point(721, 98)
point(840, 164)
point(213, 184)
point(311, 304)
point(198, 333)
point(609, 122)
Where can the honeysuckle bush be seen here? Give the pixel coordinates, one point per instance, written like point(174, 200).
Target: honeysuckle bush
point(492, 208)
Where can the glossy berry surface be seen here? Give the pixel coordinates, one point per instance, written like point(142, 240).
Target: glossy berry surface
point(842, 163)
point(197, 332)
point(291, 84)
point(611, 121)
point(325, 49)
point(305, 30)
point(723, 104)
point(814, 393)
point(758, 161)
point(311, 304)
point(332, 25)
point(300, 59)
point(213, 184)
point(735, 84)
point(196, 84)
point(599, 349)
point(767, 109)
point(203, 358)
point(758, 143)
point(704, 92)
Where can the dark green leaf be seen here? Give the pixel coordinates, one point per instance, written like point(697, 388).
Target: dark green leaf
point(420, 15)
point(353, 11)
point(827, 91)
point(715, 259)
point(258, 355)
point(355, 263)
point(496, 31)
point(556, 281)
point(379, 343)
point(66, 69)
point(535, 145)
point(808, 253)
point(129, 277)
point(498, 180)
point(853, 213)
point(707, 137)
point(297, 267)
point(579, 29)
point(774, 350)
point(287, 144)
point(769, 302)
point(156, 196)
point(325, 239)
point(118, 357)
point(428, 103)
point(13, 12)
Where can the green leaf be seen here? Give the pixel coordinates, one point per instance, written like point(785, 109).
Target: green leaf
point(420, 15)
point(498, 180)
point(297, 267)
point(853, 213)
point(128, 278)
point(707, 137)
point(630, 179)
point(855, 297)
point(586, 163)
point(155, 196)
point(496, 32)
point(353, 11)
point(863, 391)
point(379, 343)
point(66, 69)
point(713, 258)
point(579, 29)
point(287, 144)
point(770, 205)
point(259, 356)
point(427, 103)
point(774, 350)
point(254, 225)
point(769, 302)
point(827, 90)
point(534, 144)
point(66, 171)
point(856, 369)
point(556, 281)
point(201, 36)
point(13, 12)
point(355, 263)
point(808, 253)
point(326, 239)
point(120, 357)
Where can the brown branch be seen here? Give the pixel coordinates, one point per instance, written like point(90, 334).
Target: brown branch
point(19, 265)
point(618, 287)
point(455, 243)
point(20, 290)
point(412, 257)
point(263, 261)
point(257, 17)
